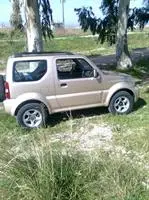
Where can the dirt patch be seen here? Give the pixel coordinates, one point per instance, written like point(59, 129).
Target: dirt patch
point(86, 140)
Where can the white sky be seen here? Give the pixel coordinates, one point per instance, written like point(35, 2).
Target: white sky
point(70, 15)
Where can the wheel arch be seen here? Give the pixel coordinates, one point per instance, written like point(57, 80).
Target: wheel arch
point(120, 90)
point(30, 101)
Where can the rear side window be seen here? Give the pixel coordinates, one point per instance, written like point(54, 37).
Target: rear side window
point(29, 70)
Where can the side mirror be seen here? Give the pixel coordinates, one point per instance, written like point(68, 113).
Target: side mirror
point(96, 74)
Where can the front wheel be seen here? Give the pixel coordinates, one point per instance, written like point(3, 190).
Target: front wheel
point(121, 103)
point(32, 115)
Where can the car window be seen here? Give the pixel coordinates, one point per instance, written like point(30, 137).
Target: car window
point(65, 65)
point(73, 69)
point(86, 65)
point(29, 70)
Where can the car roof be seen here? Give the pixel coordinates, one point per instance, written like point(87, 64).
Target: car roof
point(31, 54)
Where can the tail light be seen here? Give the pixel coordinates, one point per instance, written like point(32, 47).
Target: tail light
point(7, 91)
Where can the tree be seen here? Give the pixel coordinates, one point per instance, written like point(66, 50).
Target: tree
point(142, 15)
point(122, 53)
point(106, 28)
point(111, 27)
point(16, 18)
point(38, 16)
point(33, 27)
point(38, 19)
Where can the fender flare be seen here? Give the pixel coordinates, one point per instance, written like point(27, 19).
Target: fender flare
point(123, 86)
point(28, 98)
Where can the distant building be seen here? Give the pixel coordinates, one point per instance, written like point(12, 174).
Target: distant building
point(58, 25)
point(58, 28)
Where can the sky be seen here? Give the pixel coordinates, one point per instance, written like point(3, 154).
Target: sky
point(70, 16)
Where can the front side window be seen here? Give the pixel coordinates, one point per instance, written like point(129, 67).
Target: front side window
point(29, 70)
point(73, 68)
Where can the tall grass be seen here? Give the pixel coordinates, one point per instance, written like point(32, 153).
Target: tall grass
point(42, 173)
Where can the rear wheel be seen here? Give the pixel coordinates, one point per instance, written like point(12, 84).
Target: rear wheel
point(121, 103)
point(33, 115)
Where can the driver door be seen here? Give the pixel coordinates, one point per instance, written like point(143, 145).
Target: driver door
point(76, 85)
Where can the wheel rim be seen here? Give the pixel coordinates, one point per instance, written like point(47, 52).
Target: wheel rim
point(121, 104)
point(32, 118)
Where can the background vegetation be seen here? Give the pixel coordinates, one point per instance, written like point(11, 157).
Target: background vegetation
point(70, 40)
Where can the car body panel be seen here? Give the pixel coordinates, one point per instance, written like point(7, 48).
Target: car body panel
point(62, 95)
point(12, 104)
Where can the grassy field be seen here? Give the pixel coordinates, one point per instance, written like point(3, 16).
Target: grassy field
point(82, 155)
point(37, 165)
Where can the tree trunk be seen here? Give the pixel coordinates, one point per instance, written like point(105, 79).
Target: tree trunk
point(33, 26)
point(122, 54)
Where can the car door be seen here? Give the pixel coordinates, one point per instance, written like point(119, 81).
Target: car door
point(76, 85)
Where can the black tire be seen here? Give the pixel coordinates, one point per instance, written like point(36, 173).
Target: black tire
point(40, 110)
point(2, 88)
point(113, 107)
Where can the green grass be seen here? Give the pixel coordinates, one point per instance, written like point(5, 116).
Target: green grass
point(32, 167)
point(138, 40)
point(42, 173)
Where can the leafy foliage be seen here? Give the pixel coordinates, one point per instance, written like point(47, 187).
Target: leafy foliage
point(16, 18)
point(142, 16)
point(46, 17)
point(106, 27)
point(45, 14)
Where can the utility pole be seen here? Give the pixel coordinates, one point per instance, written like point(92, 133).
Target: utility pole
point(63, 12)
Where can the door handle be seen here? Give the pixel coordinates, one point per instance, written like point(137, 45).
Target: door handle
point(63, 84)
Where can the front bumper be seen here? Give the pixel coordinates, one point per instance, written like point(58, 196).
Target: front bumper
point(136, 93)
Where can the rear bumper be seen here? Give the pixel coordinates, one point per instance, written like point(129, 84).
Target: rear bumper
point(8, 106)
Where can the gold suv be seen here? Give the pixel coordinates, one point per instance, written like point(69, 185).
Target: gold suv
point(38, 84)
